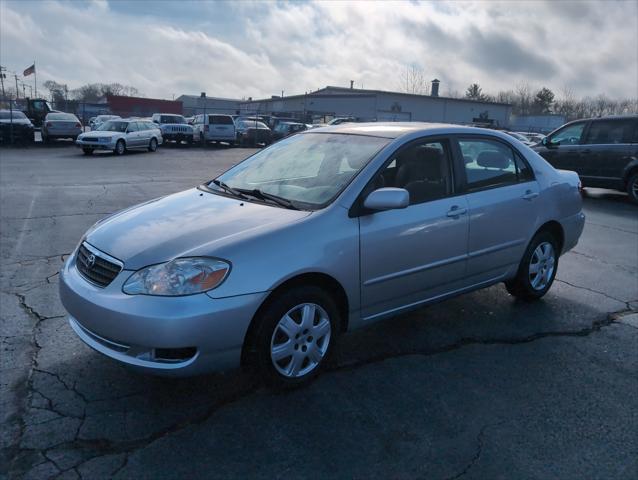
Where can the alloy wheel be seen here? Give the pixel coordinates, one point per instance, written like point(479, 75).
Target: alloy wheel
point(300, 340)
point(541, 266)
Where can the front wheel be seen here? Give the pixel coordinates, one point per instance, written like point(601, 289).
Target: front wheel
point(537, 270)
point(152, 146)
point(120, 147)
point(296, 336)
point(632, 188)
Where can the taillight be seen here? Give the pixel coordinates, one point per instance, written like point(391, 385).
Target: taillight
point(48, 124)
point(78, 125)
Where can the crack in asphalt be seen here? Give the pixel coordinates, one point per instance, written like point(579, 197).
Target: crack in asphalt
point(598, 260)
point(101, 447)
point(477, 455)
point(627, 306)
point(611, 228)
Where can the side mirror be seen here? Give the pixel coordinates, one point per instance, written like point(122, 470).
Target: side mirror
point(546, 142)
point(387, 199)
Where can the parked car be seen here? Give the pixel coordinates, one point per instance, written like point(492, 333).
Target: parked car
point(340, 120)
point(121, 135)
point(214, 128)
point(60, 125)
point(534, 137)
point(15, 126)
point(274, 121)
point(283, 129)
point(521, 138)
point(174, 128)
point(318, 234)
point(603, 151)
point(100, 119)
point(252, 132)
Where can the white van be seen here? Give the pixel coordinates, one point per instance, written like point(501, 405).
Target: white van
point(214, 128)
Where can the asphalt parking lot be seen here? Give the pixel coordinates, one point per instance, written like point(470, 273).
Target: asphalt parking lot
point(481, 386)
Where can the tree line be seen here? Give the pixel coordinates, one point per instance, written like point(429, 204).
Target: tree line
point(89, 93)
point(527, 100)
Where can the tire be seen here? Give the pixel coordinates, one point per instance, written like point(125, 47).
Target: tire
point(152, 146)
point(87, 151)
point(541, 255)
point(632, 188)
point(202, 140)
point(300, 356)
point(120, 148)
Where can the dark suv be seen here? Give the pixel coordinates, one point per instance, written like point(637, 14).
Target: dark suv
point(603, 151)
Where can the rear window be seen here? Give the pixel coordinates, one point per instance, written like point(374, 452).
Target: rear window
point(16, 114)
point(62, 116)
point(611, 131)
point(220, 120)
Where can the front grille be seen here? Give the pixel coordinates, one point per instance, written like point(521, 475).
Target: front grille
point(95, 268)
point(90, 139)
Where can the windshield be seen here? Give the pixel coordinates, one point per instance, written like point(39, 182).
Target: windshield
point(309, 169)
point(62, 116)
point(16, 114)
point(172, 119)
point(113, 126)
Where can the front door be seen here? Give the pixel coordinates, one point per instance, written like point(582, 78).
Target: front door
point(564, 148)
point(503, 200)
point(416, 253)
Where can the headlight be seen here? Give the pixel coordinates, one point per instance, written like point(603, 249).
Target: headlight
point(182, 276)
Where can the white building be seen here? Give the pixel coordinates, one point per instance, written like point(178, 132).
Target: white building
point(378, 105)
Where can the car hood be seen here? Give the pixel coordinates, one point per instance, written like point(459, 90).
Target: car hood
point(16, 121)
point(188, 223)
point(99, 134)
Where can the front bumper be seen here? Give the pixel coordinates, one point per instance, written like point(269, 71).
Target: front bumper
point(133, 328)
point(177, 137)
point(95, 145)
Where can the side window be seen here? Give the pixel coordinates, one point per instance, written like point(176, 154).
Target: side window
point(132, 127)
point(423, 169)
point(490, 163)
point(569, 135)
point(609, 131)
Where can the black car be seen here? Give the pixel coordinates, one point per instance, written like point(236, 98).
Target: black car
point(603, 151)
point(16, 123)
point(283, 129)
point(251, 132)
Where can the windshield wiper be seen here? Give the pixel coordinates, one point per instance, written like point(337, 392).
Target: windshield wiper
point(228, 189)
point(284, 202)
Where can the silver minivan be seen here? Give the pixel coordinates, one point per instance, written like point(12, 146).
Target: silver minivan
point(214, 128)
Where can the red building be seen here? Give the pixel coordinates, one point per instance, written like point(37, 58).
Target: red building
point(141, 107)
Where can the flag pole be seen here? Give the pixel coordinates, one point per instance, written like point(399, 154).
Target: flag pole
point(35, 77)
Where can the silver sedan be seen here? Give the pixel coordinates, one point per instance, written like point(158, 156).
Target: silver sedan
point(60, 125)
point(323, 232)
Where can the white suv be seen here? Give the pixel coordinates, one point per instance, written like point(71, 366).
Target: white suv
point(174, 127)
point(214, 128)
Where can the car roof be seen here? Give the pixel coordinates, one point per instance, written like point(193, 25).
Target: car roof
point(399, 129)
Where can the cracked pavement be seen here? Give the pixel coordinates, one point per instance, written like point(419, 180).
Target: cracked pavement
point(480, 386)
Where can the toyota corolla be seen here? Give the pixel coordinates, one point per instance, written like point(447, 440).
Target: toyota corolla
point(321, 233)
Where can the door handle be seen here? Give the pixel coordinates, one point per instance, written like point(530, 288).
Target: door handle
point(529, 195)
point(455, 211)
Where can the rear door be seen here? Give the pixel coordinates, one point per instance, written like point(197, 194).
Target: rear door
point(132, 138)
point(221, 127)
point(503, 201)
point(608, 150)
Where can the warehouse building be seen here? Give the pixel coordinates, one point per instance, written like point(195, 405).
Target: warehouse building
point(379, 105)
point(198, 104)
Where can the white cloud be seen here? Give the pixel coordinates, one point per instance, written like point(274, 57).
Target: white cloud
point(258, 49)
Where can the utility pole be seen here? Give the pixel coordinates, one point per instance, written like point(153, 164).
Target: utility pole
point(17, 91)
point(2, 77)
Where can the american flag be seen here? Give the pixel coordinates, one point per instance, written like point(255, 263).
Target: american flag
point(29, 71)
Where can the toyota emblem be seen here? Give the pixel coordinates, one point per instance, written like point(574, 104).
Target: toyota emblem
point(90, 260)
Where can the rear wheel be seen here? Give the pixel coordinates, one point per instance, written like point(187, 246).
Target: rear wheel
point(87, 151)
point(632, 187)
point(296, 336)
point(120, 147)
point(152, 146)
point(537, 270)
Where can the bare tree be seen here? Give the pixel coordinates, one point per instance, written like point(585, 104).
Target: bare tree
point(524, 97)
point(413, 80)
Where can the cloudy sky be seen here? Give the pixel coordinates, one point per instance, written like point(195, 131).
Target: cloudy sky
point(258, 49)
